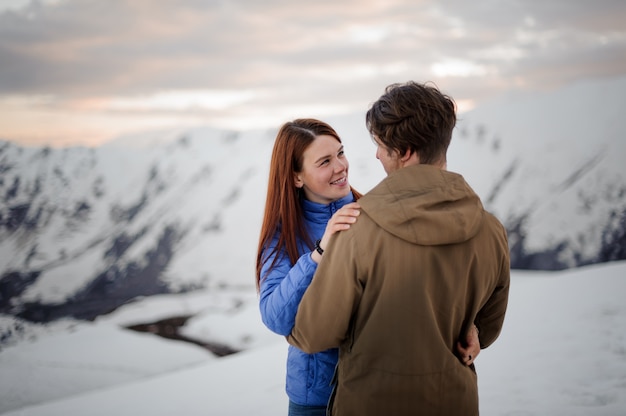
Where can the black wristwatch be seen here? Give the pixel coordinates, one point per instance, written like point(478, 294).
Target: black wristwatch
point(318, 248)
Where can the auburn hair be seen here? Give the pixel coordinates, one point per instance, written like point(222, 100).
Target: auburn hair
point(283, 208)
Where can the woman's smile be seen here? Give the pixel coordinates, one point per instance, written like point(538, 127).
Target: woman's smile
point(341, 181)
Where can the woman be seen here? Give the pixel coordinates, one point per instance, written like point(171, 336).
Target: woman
point(309, 199)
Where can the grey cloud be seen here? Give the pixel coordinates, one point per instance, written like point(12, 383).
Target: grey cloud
point(82, 48)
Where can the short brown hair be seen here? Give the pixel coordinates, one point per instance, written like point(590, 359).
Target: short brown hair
point(415, 117)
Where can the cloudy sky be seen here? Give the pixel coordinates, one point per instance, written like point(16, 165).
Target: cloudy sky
point(85, 71)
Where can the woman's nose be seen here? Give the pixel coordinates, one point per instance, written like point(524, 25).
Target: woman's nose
point(340, 165)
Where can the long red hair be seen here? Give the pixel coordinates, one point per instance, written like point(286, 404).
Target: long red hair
point(282, 205)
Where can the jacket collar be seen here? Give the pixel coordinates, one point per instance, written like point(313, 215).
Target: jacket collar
point(316, 212)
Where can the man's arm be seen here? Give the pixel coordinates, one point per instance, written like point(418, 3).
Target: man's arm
point(491, 316)
point(324, 315)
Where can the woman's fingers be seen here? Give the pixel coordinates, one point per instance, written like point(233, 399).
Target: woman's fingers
point(341, 220)
point(348, 213)
point(349, 218)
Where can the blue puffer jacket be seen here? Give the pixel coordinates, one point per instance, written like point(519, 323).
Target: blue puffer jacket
point(308, 375)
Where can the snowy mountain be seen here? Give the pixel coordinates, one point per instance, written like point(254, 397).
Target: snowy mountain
point(550, 166)
point(85, 231)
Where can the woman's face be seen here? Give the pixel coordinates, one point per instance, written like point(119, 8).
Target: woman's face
point(324, 175)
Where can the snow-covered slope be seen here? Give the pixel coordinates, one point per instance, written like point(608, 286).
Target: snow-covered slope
point(550, 166)
point(562, 352)
point(84, 226)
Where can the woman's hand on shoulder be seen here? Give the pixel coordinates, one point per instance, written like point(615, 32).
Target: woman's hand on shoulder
point(340, 221)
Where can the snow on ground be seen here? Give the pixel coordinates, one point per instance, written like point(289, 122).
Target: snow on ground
point(562, 352)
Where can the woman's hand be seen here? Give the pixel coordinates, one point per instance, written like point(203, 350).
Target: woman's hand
point(341, 220)
point(468, 351)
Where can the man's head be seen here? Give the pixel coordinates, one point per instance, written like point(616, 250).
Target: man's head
point(413, 121)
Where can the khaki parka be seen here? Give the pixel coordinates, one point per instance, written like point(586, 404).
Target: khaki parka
point(396, 291)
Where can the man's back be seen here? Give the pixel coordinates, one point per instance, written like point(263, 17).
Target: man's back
point(420, 266)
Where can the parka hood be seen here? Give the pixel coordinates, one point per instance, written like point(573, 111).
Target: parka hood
point(425, 205)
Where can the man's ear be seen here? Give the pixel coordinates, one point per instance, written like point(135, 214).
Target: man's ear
point(409, 158)
point(297, 181)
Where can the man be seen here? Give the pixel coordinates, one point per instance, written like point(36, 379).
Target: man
point(422, 265)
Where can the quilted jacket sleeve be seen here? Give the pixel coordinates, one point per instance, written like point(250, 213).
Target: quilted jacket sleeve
point(281, 290)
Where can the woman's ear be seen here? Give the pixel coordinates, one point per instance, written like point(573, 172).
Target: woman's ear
point(297, 181)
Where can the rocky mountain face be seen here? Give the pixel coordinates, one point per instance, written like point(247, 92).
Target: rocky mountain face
point(83, 231)
point(554, 174)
